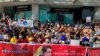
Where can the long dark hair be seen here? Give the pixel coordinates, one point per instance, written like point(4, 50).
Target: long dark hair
point(44, 49)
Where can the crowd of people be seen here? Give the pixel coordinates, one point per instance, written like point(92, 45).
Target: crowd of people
point(49, 33)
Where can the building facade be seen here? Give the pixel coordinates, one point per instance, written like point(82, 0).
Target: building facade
point(67, 11)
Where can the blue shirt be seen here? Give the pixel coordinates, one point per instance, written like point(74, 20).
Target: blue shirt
point(85, 39)
point(63, 38)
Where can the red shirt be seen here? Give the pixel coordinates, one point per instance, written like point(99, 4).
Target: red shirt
point(22, 40)
point(42, 40)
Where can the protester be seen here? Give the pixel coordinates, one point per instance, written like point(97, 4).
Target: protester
point(47, 33)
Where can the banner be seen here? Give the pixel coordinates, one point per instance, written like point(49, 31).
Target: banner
point(7, 49)
point(58, 50)
point(75, 42)
point(25, 23)
point(93, 51)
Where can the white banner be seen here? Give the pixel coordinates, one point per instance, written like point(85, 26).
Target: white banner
point(25, 23)
point(75, 42)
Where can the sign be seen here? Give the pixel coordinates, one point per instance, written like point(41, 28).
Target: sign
point(61, 10)
point(88, 19)
point(75, 42)
point(25, 23)
point(22, 8)
point(8, 49)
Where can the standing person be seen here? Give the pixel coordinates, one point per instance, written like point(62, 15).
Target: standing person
point(22, 39)
point(36, 24)
point(87, 30)
point(16, 31)
point(72, 32)
point(6, 21)
point(63, 38)
point(62, 28)
point(23, 32)
point(8, 30)
point(77, 34)
point(85, 39)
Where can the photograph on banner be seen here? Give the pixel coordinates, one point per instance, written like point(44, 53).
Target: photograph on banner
point(42, 50)
point(25, 23)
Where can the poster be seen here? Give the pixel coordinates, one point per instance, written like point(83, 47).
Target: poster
point(8, 49)
point(88, 19)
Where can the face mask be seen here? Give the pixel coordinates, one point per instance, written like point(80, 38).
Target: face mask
point(56, 33)
point(47, 40)
point(55, 41)
point(20, 36)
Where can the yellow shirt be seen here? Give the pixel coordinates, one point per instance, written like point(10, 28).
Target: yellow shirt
point(13, 40)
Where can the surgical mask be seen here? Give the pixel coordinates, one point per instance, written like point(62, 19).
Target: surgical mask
point(47, 40)
point(20, 36)
point(55, 41)
point(56, 33)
